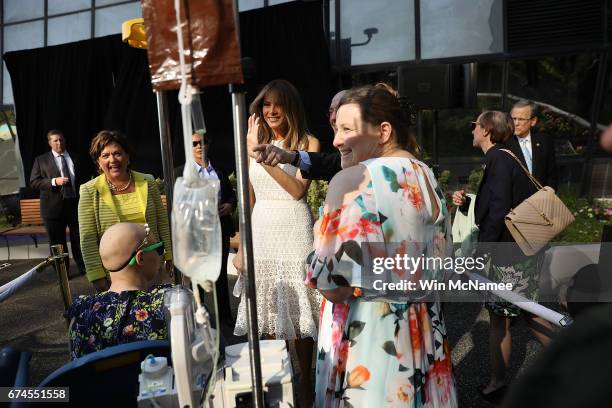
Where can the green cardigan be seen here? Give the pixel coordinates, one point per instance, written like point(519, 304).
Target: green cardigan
point(97, 212)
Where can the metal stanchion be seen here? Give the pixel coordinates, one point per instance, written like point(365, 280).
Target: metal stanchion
point(58, 255)
point(167, 160)
point(242, 173)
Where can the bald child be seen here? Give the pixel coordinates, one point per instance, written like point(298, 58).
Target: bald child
point(130, 310)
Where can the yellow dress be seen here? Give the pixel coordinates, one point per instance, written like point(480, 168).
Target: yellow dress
point(129, 208)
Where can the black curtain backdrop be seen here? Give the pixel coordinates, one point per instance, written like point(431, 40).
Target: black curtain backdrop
point(84, 87)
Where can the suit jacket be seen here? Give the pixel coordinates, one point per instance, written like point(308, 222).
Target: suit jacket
point(324, 166)
point(544, 166)
point(97, 212)
point(504, 186)
point(228, 195)
point(51, 199)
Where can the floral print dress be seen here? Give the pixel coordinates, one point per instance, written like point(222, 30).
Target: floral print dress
point(110, 318)
point(382, 350)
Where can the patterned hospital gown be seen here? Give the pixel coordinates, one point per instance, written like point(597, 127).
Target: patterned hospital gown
point(108, 319)
point(374, 353)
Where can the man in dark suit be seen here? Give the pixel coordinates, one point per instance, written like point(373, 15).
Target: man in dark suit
point(536, 151)
point(312, 165)
point(55, 175)
point(227, 202)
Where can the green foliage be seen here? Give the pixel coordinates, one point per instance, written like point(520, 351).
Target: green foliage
point(474, 180)
point(6, 219)
point(590, 218)
point(316, 196)
point(561, 126)
point(443, 180)
point(4, 223)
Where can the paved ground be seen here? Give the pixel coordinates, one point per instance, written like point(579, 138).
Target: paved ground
point(32, 320)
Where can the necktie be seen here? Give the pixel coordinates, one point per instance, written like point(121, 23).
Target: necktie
point(67, 190)
point(526, 154)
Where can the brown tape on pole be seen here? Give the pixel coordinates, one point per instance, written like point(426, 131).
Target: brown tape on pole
point(210, 38)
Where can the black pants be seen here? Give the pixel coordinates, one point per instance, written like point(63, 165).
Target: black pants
point(56, 229)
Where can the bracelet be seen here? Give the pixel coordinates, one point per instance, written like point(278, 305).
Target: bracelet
point(296, 160)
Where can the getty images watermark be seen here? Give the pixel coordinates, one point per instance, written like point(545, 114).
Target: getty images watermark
point(406, 265)
point(410, 271)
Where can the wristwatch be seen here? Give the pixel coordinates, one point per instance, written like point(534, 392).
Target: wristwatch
point(296, 159)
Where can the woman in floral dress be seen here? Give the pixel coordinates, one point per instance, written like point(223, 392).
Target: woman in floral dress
point(379, 348)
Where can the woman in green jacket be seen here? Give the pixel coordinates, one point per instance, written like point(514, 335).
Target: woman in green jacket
point(118, 194)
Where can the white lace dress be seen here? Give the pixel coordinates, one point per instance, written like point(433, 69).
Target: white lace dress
point(282, 239)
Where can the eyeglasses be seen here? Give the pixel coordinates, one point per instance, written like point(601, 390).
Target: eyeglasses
point(474, 124)
point(157, 246)
point(520, 119)
point(196, 143)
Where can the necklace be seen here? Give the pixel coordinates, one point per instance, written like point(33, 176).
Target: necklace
point(119, 189)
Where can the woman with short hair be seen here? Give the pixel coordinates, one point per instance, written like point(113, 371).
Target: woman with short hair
point(504, 186)
point(118, 194)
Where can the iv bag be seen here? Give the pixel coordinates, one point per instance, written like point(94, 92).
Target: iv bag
point(196, 230)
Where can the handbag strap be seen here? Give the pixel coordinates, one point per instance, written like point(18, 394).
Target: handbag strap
point(533, 179)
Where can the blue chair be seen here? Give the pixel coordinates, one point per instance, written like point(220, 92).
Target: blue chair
point(14, 370)
point(106, 377)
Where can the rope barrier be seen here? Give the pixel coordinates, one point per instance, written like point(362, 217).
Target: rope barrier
point(9, 288)
point(530, 306)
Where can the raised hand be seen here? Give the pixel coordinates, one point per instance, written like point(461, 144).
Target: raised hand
point(252, 133)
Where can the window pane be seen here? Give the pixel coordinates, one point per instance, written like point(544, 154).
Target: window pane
point(332, 29)
point(104, 2)
point(562, 87)
point(109, 19)
point(73, 27)
point(17, 10)
point(7, 92)
point(23, 36)
point(451, 28)
point(63, 6)
point(389, 26)
point(244, 5)
point(273, 2)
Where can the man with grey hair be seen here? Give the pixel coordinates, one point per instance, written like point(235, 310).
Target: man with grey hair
point(536, 151)
point(314, 166)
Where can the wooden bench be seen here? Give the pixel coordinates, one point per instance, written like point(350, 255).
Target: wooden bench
point(32, 224)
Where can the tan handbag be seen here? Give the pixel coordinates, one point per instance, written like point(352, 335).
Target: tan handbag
point(539, 218)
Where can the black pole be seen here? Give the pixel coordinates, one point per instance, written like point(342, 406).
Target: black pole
point(587, 169)
point(246, 238)
point(167, 159)
point(504, 84)
point(434, 151)
point(419, 127)
point(417, 30)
